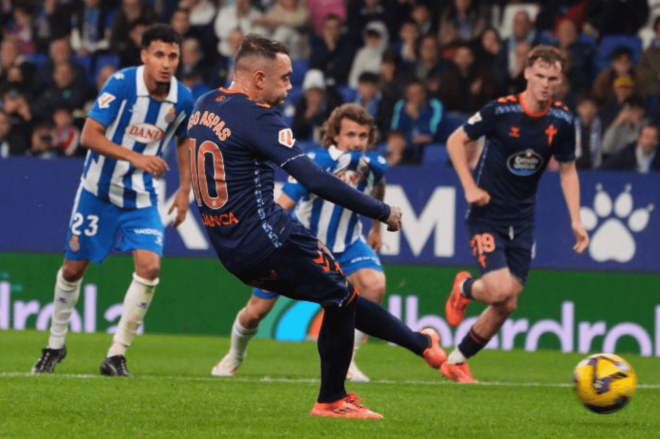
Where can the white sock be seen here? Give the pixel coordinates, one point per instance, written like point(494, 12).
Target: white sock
point(240, 338)
point(456, 357)
point(66, 296)
point(136, 303)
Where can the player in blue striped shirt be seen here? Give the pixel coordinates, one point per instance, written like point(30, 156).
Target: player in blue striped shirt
point(347, 133)
point(135, 116)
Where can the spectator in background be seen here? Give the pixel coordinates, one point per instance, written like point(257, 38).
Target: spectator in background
point(91, 25)
point(332, 52)
point(16, 106)
point(507, 62)
point(419, 118)
point(624, 89)
point(552, 13)
point(314, 108)
point(641, 155)
point(514, 80)
point(368, 96)
point(64, 91)
point(487, 48)
point(406, 45)
point(192, 60)
point(396, 147)
point(288, 22)
point(429, 62)
point(222, 72)
point(620, 65)
point(10, 56)
point(42, 141)
point(626, 127)
point(580, 71)
point(59, 51)
point(461, 22)
point(201, 16)
point(320, 9)
point(67, 135)
point(103, 75)
point(647, 73)
point(613, 17)
point(22, 28)
point(52, 21)
point(130, 56)
point(466, 87)
point(361, 12)
point(588, 134)
point(391, 86)
point(11, 144)
point(239, 15)
point(129, 12)
point(369, 57)
point(180, 22)
point(421, 14)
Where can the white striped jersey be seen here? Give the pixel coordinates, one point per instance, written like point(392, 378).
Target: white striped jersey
point(136, 121)
point(334, 225)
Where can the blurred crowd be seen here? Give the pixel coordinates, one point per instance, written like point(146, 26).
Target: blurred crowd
point(420, 67)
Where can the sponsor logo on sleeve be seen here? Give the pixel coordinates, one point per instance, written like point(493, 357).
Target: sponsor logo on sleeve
point(285, 137)
point(105, 99)
point(476, 117)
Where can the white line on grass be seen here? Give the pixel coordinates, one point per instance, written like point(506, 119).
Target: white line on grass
point(267, 379)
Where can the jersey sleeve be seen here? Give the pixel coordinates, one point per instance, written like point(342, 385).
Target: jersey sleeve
point(565, 151)
point(106, 106)
point(272, 138)
point(378, 166)
point(294, 190)
point(481, 123)
point(185, 110)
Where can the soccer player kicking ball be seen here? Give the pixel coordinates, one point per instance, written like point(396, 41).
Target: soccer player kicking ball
point(347, 133)
point(134, 117)
point(236, 140)
point(522, 133)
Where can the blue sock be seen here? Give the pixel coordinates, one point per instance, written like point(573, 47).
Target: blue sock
point(471, 344)
point(466, 289)
point(376, 321)
point(335, 347)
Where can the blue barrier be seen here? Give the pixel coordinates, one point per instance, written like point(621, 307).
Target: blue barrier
point(619, 209)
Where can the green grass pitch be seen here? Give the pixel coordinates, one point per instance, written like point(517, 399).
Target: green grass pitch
point(173, 395)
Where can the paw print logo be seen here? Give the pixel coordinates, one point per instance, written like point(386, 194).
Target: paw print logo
point(612, 235)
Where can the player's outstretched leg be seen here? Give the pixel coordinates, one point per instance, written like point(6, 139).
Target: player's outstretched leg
point(378, 322)
point(64, 301)
point(244, 328)
point(136, 303)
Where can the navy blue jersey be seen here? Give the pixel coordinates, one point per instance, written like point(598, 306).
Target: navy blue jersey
point(235, 144)
point(519, 144)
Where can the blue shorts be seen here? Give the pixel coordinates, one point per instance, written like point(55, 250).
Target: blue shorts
point(301, 269)
point(496, 246)
point(356, 257)
point(95, 224)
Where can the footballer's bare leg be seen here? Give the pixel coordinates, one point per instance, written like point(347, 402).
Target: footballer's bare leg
point(244, 328)
point(136, 304)
point(67, 290)
point(370, 284)
point(500, 290)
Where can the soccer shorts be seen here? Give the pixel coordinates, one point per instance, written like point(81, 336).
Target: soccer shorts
point(95, 224)
point(357, 256)
point(301, 269)
point(495, 246)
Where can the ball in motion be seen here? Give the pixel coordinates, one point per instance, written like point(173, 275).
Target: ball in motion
point(604, 383)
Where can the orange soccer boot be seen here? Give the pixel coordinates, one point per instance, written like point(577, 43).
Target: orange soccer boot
point(459, 372)
point(457, 302)
point(347, 407)
point(433, 355)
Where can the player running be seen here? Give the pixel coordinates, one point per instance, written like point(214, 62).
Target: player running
point(135, 116)
point(347, 134)
point(236, 140)
point(522, 133)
